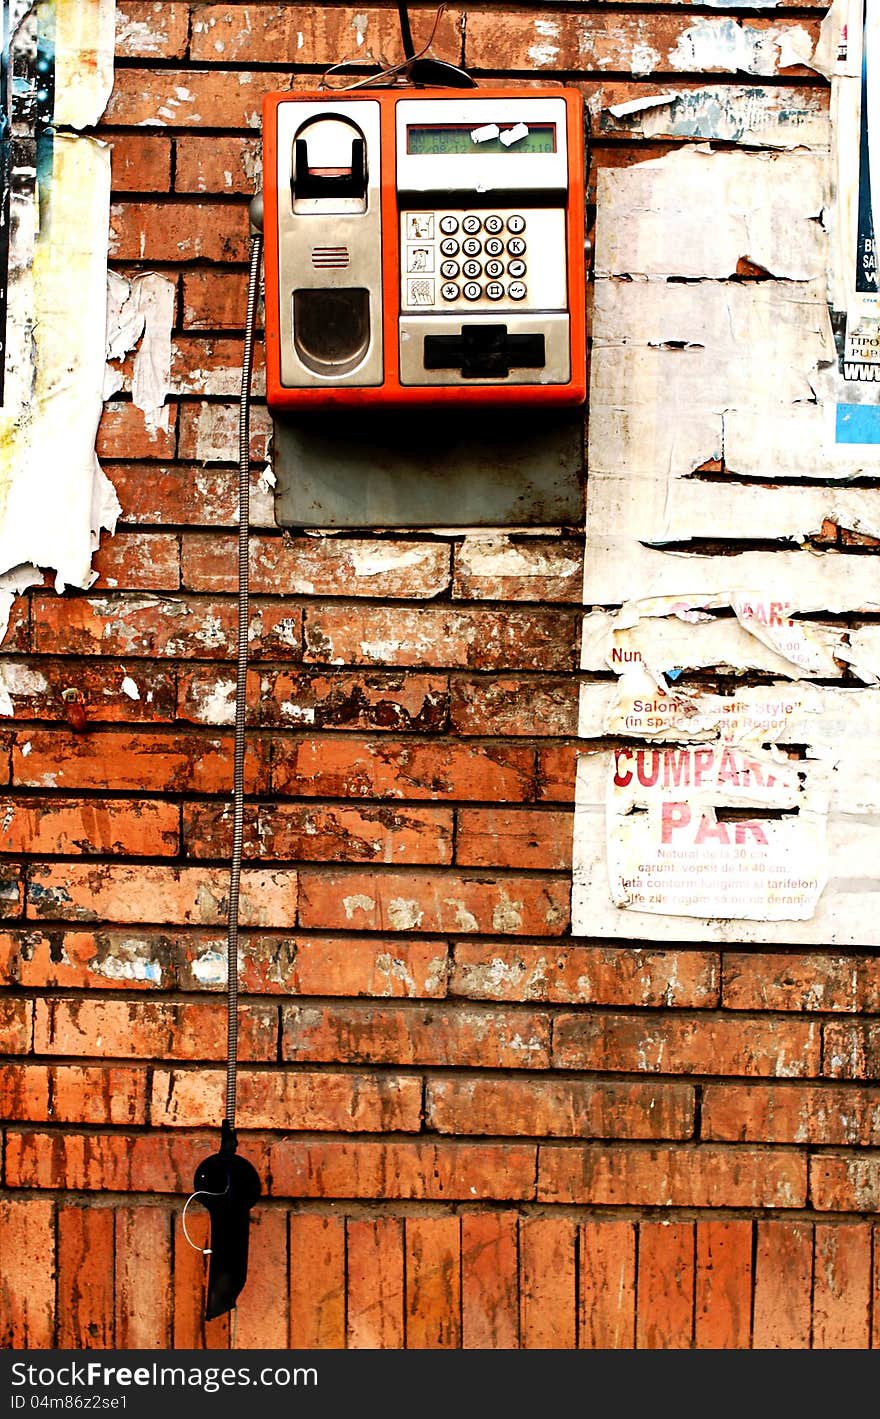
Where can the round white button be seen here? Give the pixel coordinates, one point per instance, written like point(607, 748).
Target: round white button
point(471, 247)
point(448, 225)
point(471, 268)
point(493, 224)
point(494, 246)
point(449, 246)
point(516, 290)
point(516, 268)
point(516, 223)
point(496, 269)
point(473, 290)
point(449, 291)
point(516, 246)
point(449, 269)
point(494, 290)
point(471, 223)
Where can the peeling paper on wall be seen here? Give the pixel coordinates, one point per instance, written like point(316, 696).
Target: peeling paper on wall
point(54, 497)
point(749, 816)
point(140, 313)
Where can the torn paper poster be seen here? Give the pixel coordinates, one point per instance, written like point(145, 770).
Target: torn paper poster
point(849, 54)
point(758, 117)
point(710, 830)
point(687, 865)
point(140, 313)
point(54, 498)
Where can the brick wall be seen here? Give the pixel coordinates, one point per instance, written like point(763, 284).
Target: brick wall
point(473, 1129)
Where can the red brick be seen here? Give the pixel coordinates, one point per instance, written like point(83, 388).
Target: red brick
point(72, 1093)
point(343, 1103)
point(261, 1318)
point(607, 1286)
point(723, 1298)
point(107, 959)
point(432, 902)
point(501, 567)
point(845, 1183)
point(559, 1108)
point(433, 1283)
point(27, 1277)
point(842, 1286)
point(186, 493)
point(190, 1330)
point(791, 1113)
point(322, 833)
point(511, 705)
point(354, 767)
point(265, 963)
point(556, 773)
point(375, 1274)
point(113, 1162)
point(665, 1282)
point(209, 432)
point(387, 701)
point(686, 1044)
point(212, 365)
point(314, 35)
point(446, 1171)
point(851, 1049)
point(677, 1176)
point(583, 975)
point(140, 163)
point(207, 163)
point(16, 1024)
point(311, 566)
point(143, 1278)
point(149, 1029)
point(123, 432)
point(139, 561)
point(16, 636)
point(816, 980)
point(489, 1281)
point(317, 1282)
point(24, 1092)
point(199, 627)
point(328, 966)
point(85, 1278)
point(507, 39)
point(70, 825)
point(189, 896)
point(783, 1278)
point(45, 689)
point(146, 29)
point(150, 98)
point(153, 762)
point(11, 890)
point(216, 300)
point(548, 1307)
point(182, 231)
point(510, 837)
point(367, 1033)
point(438, 635)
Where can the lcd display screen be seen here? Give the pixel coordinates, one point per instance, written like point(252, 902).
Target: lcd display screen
point(455, 139)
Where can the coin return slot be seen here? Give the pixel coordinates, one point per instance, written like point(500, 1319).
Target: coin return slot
point(484, 352)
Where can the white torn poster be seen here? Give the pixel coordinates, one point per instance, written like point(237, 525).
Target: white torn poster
point(711, 830)
point(849, 55)
point(54, 497)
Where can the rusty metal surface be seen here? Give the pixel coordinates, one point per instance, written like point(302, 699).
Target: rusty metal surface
point(452, 468)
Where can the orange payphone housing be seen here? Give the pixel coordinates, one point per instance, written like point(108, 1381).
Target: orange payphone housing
point(424, 247)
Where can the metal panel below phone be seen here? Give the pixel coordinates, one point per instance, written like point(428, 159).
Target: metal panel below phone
point(459, 468)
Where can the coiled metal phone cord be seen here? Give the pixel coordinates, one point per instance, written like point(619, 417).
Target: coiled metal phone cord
point(242, 669)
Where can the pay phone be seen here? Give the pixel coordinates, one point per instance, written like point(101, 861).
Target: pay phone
point(424, 248)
